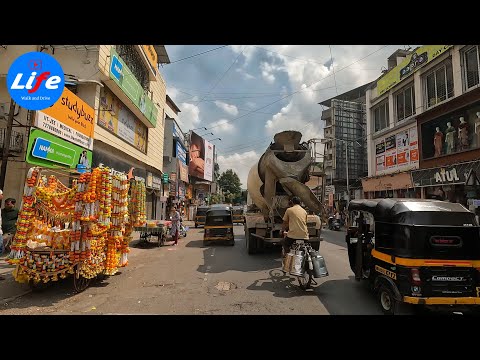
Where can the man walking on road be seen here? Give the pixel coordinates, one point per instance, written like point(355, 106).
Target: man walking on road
point(9, 222)
point(295, 222)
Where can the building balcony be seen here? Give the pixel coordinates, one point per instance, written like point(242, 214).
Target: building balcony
point(16, 142)
point(328, 163)
point(326, 114)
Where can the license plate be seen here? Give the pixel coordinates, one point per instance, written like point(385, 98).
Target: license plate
point(353, 240)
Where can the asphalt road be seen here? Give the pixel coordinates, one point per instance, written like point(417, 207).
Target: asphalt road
point(218, 279)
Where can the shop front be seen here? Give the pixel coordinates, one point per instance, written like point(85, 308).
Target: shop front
point(156, 208)
point(390, 186)
point(113, 158)
point(454, 183)
point(450, 133)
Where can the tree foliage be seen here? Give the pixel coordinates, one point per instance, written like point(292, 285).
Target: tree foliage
point(230, 184)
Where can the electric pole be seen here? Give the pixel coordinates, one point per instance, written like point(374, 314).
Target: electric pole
point(6, 145)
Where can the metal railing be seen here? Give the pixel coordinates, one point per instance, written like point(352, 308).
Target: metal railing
point(16, 140)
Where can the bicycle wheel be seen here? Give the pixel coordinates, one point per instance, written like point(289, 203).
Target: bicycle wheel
point(305, 281)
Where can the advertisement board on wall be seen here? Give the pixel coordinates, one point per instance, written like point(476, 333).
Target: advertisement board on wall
point(201, 157)
point(50, 151)
point(70, 118)
point(397, 152)
point(209, 149)
point(119, 120)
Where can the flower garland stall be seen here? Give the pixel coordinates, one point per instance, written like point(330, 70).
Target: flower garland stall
point(82, 230)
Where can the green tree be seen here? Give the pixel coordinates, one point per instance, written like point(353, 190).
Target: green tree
point(230, 184)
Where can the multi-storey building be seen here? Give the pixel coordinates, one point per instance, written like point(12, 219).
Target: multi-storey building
point(424, 120)
point(344, 136)
point(123, 96)
point(175, 158)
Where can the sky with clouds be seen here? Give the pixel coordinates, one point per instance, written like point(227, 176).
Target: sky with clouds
point(244, 94)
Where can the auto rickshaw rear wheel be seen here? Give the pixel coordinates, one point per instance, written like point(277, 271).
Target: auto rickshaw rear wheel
point(387, 300)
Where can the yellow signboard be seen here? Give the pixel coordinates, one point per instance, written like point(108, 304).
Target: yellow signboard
point(73, 111)
point(423, 55)
point(151, 55)
point(119, 120)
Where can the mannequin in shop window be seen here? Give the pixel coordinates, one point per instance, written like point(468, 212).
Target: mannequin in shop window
point(450, 138)
point(463, 135)
point(438, 142)
point(477, 129)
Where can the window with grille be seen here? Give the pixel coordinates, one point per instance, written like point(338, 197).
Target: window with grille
point(380, 116)
point(132, 59)
point(438, 85)
point(405, 102)
point(471, 67)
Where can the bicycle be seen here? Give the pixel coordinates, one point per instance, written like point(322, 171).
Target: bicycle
point(298, 262)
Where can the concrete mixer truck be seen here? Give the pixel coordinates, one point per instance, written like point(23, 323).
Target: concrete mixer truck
point(280, 173)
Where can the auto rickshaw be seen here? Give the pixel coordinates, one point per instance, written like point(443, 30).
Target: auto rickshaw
point(415, 251)
point(200, 215)
point(219, 225)
point(238, 215)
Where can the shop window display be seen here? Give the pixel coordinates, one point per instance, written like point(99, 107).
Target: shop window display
point(452, 133)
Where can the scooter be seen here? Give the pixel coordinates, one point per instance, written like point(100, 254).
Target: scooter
point(336, 225)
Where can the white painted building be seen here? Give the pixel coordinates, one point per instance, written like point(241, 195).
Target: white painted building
point(414, 113)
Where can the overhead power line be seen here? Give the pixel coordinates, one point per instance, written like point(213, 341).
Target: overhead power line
point(189, 57)
point(298, 91)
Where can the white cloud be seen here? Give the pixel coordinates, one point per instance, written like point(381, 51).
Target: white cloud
point(189, 117)
point(268, 70)
point(221, 126)
point(245, 74)
point(239, 163)
point(248, 52)
point(251, 104)
point(230, 109)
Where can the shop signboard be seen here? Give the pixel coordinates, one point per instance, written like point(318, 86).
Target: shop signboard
point(149, 182)
point(152, 56)
point(49, 151)
point(124, 78)
point(420, 57)
point(156, 182)
point(183, 169)
point(70, 118)
point(181, 152)
point(462, 173)
point(115, 117)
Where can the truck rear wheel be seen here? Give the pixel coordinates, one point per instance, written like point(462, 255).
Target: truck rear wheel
point(251, 241)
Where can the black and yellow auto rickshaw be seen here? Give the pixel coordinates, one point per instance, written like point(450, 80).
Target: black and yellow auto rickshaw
point(219, 225)
point(415, 251)
point(200, 215)
point(238, 215)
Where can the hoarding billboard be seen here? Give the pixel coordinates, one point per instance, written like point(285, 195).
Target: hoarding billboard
point(201, 157)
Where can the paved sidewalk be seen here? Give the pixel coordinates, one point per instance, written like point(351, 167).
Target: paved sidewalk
point(9, 288)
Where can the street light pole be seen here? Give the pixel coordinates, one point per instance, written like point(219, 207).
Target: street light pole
point(346, 163)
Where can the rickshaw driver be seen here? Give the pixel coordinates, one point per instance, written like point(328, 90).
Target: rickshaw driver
point(295, 222)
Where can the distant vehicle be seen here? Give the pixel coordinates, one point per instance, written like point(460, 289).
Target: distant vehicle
point(200, 215)
point(219, 225)
point(238, 215)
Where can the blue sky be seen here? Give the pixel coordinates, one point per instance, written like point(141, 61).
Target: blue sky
point(244, 94)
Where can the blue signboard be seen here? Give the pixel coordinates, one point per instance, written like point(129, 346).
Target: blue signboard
point(181, 153)
point(116, 68)
point(177, 133)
